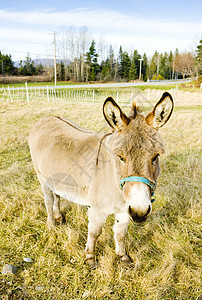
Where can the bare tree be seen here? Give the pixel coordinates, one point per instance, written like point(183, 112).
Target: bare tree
point(184, 64)
point(72, 46)
point(84, 45)
point(102, 49)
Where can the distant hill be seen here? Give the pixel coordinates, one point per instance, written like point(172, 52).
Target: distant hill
point(44, 61)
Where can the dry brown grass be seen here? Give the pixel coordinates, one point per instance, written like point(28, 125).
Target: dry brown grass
point(165, 250)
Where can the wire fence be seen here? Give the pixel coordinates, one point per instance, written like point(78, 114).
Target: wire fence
point(49, 94)
point(57, 94)
point(52, 94)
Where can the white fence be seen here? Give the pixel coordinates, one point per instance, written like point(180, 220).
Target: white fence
point(57, 94)
point(49, 94)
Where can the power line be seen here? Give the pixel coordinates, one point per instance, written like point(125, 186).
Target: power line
point(21, 41)
point(32, 53)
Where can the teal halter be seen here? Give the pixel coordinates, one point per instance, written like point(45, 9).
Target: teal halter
point(150, 183)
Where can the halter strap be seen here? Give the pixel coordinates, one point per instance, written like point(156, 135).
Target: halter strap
point(148, 182)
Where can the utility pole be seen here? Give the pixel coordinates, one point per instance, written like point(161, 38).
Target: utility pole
point(2, 67)
point(140, 74)
point(55, 58)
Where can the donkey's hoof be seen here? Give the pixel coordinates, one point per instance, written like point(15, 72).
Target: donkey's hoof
point(60, 220)
point(126, 259)
point(92, 263)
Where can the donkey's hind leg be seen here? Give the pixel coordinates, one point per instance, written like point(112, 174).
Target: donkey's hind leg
point(52, 203)
point(56, 208)
point(49, 200)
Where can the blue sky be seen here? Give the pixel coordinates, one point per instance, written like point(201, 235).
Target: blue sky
point(26, 26)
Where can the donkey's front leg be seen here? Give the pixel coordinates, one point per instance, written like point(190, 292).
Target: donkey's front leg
point(96, 220)
point(120, 230)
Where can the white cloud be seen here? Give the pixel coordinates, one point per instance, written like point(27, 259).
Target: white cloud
point(118, 28)
point(96, 19)
point(10, 33)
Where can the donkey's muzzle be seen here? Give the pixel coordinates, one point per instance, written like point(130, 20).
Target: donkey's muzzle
point(137, 217)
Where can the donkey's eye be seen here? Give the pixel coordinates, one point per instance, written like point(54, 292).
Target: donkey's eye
point(154, 159)
point(121, 158)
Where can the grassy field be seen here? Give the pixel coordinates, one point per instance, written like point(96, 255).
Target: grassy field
point(165, 250)
point(187, 86)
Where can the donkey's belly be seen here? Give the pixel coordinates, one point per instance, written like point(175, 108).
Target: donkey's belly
point(67, 188)
point(73, 196)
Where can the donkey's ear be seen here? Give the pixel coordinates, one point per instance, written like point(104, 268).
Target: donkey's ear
point(114, 115)
point(161, 112)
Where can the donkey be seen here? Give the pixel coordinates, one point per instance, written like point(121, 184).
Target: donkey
point(114, 173)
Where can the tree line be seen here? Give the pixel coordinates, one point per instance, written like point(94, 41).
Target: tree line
point(84, 61)
point(26, 68)
point(131, 67)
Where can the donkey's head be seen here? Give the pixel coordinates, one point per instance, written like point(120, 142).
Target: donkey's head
point(136, 145)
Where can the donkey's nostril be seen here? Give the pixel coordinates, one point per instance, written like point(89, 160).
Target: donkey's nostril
point(148, 211)
point(130, 211)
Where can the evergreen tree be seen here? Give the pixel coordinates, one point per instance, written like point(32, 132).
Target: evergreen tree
point(62, 71)
point(28, 69)
point(119, 62)
point(176, 52)
point(136, 57)
point(145, 67)
point(105, 70)
point(133, 68)
point(39, 69)
point(7, 65)
point(92, 62)
point(120, 54)
point(133, 71)
point(111, 62)
point(125, 64)
point(199, 58)
point(154, 66)
point(166, 66)
point(162, 65)
point(171, 59)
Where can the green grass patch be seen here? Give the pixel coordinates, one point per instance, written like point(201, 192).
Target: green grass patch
point(188, 108)
point(166, 249)
point(35, 84)
point(92, 86)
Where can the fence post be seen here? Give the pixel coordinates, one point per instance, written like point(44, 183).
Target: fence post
point(93, 96)
point(27, 91)
point(47, 93)
point(3, 94)
point(9, 94)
